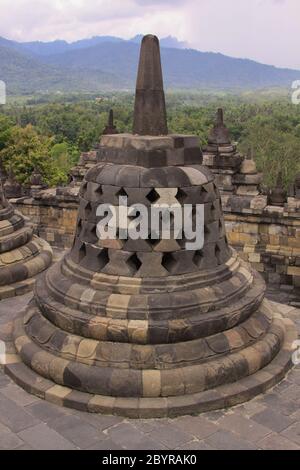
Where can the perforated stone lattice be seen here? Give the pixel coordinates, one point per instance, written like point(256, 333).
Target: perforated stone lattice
point(171, 261)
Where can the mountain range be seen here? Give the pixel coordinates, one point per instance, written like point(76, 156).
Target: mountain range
point(105, 63)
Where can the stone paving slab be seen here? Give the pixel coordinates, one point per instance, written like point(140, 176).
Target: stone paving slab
point(270, 421)
point(254, 425)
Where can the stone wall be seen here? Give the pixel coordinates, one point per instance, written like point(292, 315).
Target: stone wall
point(54, 218)
point(270, 241)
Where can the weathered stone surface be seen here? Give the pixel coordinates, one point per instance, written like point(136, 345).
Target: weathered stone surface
point(22, 255)
point(110, 128)
point(150, 109)
point(219, 134)
point(167, 330)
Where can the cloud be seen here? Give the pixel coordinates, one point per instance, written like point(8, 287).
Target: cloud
point(264, 30)
point(258, 29)
point(161, 2)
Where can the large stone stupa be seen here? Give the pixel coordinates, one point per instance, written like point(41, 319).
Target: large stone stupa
point(146, 328)
point(22, 254)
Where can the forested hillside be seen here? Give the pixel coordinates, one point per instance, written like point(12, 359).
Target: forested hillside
point(52, 134)
point(108, 63)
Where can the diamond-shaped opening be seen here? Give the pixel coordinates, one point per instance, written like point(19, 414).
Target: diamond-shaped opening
point(134, 262)
point(168, 262)
point(122, 193)
point(153, 196)
point(103, 258)
point(206, 233)
point(181, 196)
point(94, 235)
point(153, 242)
point(213, 209)
point(198, 257)
point(88, 210)
point(82, 252)
point(79, 227)
point(181, 242)
point(84, 187)
point(203, 194)
point(216, 189)
point(218, 254)
point(98, 190)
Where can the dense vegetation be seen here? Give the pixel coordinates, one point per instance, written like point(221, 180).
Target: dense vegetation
point(50, 132)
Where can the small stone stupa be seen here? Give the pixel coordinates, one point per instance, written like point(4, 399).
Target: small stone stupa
point(147, 328)
point(22, 255)
point(295, 187)
point(12, 189)
point(110, 128)
point(278, 195)
point(235, 175)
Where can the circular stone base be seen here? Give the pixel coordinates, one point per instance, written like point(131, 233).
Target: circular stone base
point(221, 397)
point(18, 288)
point(41, 261)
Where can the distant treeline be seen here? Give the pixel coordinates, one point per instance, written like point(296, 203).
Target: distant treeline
point(49, 132)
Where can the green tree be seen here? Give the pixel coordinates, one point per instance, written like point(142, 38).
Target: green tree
point(274, 150)
point(26, 150)
point(6, 125)
point(64, 156)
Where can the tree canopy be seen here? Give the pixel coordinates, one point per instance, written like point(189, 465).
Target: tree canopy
point(49, 133)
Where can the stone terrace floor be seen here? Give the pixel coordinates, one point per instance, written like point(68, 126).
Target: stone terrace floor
point(271, 421)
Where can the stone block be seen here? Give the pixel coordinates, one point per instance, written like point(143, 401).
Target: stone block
point(293, 271)
point(151, 383)
point(250, 190)
point(259, 203)
point(248, 167)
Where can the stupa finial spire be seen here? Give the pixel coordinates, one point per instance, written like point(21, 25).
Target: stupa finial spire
point(111, 118)
point(3, 201)
point(220, 117)
point(150, 116)
point(219, 134)
point(110, 128)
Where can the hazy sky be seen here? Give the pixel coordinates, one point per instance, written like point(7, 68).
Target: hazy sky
point(263, 30)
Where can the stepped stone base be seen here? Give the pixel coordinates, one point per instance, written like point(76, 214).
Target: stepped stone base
point(32, 267)
point(222, 396)
point(22, 254)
